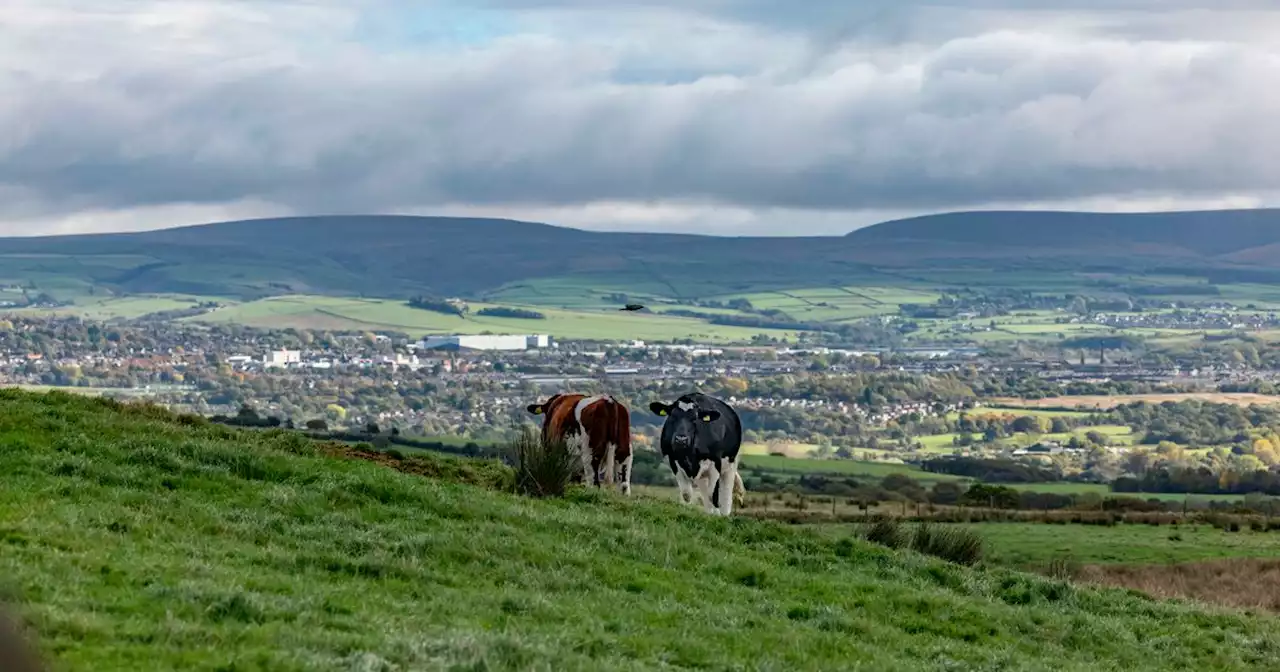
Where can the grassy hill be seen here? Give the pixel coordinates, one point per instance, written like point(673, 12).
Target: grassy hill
point(398, 256)
point(138, 540)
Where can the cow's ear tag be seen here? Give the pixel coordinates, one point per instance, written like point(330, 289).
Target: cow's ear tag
point(662, 412)
point(706, 417)
point(535, 409)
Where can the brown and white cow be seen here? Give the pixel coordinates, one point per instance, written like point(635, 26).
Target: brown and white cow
point(598, 427)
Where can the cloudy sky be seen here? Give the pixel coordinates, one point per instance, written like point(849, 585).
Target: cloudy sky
point(711, 116)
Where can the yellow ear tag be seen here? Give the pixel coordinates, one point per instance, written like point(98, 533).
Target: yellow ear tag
point(537, 411)
point(662, 412)
point(706, 418)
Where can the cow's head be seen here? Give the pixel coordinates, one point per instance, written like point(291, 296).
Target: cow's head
point(685, 420)
point(539, 409)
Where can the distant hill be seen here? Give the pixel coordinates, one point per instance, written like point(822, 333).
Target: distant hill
point(1201, 234)
point(404, 256)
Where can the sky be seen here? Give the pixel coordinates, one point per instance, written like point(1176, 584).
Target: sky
point(722, 117)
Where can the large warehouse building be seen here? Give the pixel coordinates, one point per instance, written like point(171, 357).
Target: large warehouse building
point(485, 342)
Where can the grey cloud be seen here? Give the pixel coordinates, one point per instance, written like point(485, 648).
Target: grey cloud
point(997, 116)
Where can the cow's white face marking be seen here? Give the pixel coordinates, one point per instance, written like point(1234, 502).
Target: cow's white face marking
point(685, 405)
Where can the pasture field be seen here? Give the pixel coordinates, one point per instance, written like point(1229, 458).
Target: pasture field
point(318, 312)
point(1104, 402)
point(136, 541)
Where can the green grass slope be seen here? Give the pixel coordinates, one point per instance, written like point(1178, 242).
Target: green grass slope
point(134, 540)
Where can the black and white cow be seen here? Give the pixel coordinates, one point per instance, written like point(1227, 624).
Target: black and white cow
point(700, 442)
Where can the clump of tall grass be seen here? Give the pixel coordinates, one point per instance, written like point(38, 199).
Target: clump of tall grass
point(883, 530)
point(1063, 568)
point(950, 542)
point(543, 468)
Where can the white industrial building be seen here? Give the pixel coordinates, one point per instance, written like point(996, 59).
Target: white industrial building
point(484, 342)
point(281, 358)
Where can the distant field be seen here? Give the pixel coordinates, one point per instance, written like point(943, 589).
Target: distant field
point(792, 449)
point(584, 305)
point(1034, 545)
point(1105, 490)
point(843, 467)
point(1110, 401)
point(122, 307)
point(86, 391)
point(945, 443)
point(995, 409)
point(316, 312)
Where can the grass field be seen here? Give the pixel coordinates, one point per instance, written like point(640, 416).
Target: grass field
point(134, 542)
point(1032, 544)
point(878, 470)
point(316, 312)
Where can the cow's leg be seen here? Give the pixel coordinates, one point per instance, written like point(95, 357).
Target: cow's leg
point(686, 486)
point(578, 442)
point(728, 483)
point(707, 478)
point(609, 464)
point(625, 477)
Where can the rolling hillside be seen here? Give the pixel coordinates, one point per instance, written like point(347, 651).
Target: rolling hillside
point(394, 256)
point(139, 540)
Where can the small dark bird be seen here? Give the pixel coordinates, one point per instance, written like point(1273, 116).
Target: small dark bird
point(632, 307)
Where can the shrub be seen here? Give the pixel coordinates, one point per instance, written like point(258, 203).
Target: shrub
point(543, 469)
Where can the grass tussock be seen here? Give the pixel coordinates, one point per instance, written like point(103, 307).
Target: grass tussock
point(952, 543)
point(543, 468)
point(133, 541)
